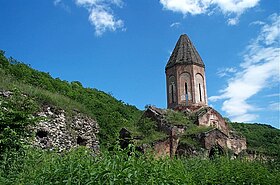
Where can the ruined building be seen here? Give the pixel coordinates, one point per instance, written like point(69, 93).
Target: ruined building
point(187, 97)
point(186, 84)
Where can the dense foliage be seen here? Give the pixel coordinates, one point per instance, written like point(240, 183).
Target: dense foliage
point(16, 114)
point(110, 113)
point(80, 167)
point(260, 138)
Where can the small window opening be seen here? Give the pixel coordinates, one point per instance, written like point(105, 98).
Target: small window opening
point(186, 93)
point(41, 133)
point(172, 93)
point(81, 141)
point(199, 86)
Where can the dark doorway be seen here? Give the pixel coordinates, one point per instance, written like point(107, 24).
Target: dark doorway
point(41, 133)
point(81, 141)
point(216, 151)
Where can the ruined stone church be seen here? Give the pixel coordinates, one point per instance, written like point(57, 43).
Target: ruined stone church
point(186, 94)
point(186, 84)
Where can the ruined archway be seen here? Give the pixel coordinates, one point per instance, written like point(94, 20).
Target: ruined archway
point(216, 151)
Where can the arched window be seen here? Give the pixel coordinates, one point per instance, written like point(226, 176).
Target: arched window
point(172, 93)
point(186, 93)
point(185, 88)
point(199, 88)
point(171, 89)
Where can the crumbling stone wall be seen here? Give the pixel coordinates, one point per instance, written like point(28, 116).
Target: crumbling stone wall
point(236, 143)
point(56, 131)
point(219, 136)
point(162, 148)
point(213, 138)
point(207, 116)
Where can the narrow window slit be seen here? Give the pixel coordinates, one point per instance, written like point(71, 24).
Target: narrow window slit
point(200, 98)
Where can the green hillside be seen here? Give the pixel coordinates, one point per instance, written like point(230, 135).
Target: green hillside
point(263, 139)
point(111, 114)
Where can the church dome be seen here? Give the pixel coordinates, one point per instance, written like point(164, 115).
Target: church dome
point(184, 53)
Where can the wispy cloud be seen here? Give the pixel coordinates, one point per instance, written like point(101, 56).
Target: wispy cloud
point(259, 69)
point(257, 23)
point(62, 5)
point(231, 8)
point(226, 71)
point(274, 106)
point(273, 95)
point(175, 24)
point(101, 15)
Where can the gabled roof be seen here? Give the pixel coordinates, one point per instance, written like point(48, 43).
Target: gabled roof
point(184, 53)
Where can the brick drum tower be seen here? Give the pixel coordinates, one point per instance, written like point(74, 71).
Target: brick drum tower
point(185, 76)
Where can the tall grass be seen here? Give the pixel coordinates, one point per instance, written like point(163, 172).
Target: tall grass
point(80, 167)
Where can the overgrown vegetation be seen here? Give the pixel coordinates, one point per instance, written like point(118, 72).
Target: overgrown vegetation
point(110, 113)
point(190, 135)
point(178, 118)
point(80, 167)
point(16, 114)
point(263, 139)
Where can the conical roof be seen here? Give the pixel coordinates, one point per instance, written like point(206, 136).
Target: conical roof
point(184, 53)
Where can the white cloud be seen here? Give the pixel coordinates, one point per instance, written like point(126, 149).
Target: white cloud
point(259, 70)
point(186, 6)
point(175, 24)
point(103, 20)
point(101, 15)
point(257, 23)
point(227, 7)
point(226, 71)
point(233, 21)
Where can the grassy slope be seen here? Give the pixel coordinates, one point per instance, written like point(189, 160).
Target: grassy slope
point(110, 113)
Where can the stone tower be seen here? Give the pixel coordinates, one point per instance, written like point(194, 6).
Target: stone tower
point(185, 76)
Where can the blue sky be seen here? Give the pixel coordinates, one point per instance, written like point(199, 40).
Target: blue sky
point(122, 47)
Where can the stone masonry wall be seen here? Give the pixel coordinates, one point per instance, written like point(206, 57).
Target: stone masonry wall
point(59, 132)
